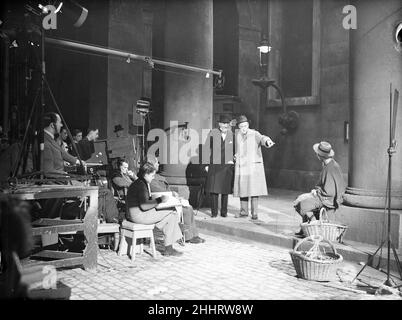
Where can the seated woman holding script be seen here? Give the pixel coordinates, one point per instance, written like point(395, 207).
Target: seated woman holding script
point(159, 185)
point(143, 209)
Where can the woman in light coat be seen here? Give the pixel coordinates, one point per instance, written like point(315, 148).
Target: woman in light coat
point(249, 182)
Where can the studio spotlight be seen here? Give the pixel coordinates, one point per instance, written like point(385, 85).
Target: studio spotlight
point(398, 33)
point(397, 36)
point(72, 11)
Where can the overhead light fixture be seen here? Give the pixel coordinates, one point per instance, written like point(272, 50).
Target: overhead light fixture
point(59, 7)
point(72, 11)
point(398, 36)
point(398, 32)
point(43, 8)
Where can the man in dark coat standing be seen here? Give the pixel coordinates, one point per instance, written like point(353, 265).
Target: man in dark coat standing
point(86, 147)
point(220, 170)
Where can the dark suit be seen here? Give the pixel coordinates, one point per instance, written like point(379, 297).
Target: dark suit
point(86, 149)
point(53, 165)
point(220, 172)
point(54, 157)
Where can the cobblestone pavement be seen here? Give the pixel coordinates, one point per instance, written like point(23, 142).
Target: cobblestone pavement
point(222, 268)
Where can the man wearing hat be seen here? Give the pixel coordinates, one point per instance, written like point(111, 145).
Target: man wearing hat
point(249, 182)
point(220, 169)
point(118, 130)
point(123, 146)
point(329, 189)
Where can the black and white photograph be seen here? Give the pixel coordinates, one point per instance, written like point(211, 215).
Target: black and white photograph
point(200, 157)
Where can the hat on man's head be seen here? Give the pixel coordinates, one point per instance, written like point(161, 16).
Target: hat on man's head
point(118, 128)
point(242, 118)
point(224, 118)
point(324, 149)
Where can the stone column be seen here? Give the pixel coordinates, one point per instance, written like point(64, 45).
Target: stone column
point(375, 64)
point(188, 95)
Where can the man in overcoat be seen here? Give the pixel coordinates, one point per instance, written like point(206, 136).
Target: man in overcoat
point(249, 182)
point(220, 142)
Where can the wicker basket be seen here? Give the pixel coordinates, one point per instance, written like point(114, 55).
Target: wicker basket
point(322, 227)
point(314, 269)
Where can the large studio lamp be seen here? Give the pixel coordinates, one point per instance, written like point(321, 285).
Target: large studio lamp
point(72, 11)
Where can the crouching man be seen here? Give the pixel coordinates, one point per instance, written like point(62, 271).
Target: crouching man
point(329, 189)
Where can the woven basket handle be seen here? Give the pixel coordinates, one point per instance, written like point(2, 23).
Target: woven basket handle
point(323, 215)
point(315, 239)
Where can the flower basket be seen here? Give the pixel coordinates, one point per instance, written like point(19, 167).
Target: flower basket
point(314, 264)
point(322, 227)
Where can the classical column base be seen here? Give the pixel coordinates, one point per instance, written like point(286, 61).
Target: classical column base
point(370, 225)
point(373, 199)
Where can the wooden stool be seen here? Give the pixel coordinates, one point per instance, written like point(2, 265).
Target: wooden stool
point(136, 231)
point(103, 228)
point(110, 228)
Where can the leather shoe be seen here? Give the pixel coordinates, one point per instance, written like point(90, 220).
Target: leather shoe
point(254, 217)
point(196, 240)
point(171, 252)
point(300, 233)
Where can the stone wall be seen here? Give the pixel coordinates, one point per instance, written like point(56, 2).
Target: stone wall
point(292, 163)
point(125, 80)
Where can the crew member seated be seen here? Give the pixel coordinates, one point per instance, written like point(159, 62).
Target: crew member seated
point(142, 209)
point(160, 184)
point(53, 166)
point(123, 178)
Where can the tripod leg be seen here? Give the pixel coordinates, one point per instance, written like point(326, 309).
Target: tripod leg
point(25, 139)
point(398, 262)
point(369, 261)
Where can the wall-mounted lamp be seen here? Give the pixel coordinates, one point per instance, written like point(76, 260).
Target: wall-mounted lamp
point(264, 48)
point(288, 120)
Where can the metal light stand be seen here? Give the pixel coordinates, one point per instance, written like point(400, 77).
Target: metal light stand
point(143, 114)
point(391, 150)
point(38, 117)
